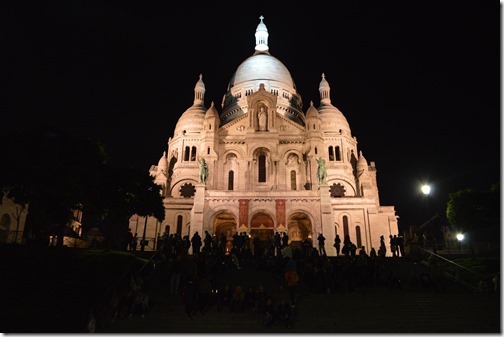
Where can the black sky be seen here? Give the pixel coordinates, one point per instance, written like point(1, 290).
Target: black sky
point(419, 82)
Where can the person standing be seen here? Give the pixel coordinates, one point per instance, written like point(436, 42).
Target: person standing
point(190, 298)
point(337, 244)
point(321, 243)
point(277, 241)
point(291, 280)
point(347, 244)
point(382, 251)
point(196, 243)
point(207, 243)
point(393, 245)
point(128, 239)
point(285, 240)
point(134, 242)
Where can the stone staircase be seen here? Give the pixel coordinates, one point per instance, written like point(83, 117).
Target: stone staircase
point(412, 307)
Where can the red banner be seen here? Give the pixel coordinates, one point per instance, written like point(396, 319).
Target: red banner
point(243, 220)
point(280, 210)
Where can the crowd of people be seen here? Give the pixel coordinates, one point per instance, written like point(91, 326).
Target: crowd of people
point(195, 266)
point(193, 273)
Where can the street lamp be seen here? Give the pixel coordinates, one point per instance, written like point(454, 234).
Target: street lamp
point(460, 238)
point(425, 189)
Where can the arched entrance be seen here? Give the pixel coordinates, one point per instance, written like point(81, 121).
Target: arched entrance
point(299, 228)
point(261, 232)
point(225, 223)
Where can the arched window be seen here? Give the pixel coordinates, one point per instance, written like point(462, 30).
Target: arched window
point(316, 152)
point(179, 224)
point(262, 168)
point(358, 236)
point(208, 150)
point(231, 180)
point(293, 180)
point(193, 153)
point(338, 153)
point(331, 153)
point(187, 153)
point(345, 226)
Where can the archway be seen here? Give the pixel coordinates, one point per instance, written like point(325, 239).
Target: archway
point(225, 223)
point(299, 228)
point(261, 232)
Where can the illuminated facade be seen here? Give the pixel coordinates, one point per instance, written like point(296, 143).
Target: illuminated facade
point(263, 153)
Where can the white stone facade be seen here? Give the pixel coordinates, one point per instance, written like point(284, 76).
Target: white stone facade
point(12, 221)
point(262, 152)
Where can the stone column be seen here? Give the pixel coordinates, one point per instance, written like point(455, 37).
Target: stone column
point(327, 221)
point(197, 211)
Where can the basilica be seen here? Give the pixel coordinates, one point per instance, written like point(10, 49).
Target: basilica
point(261, 164)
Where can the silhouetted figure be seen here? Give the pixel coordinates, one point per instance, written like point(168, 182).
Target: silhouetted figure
point(269, 312)
point(190, 297)
point(285, 240)
point(196, 243)
point(140, 304)
point(346, 245)
point(400, 245)
point(277, 243)
point(134, 242)
point(337, 244)
point(321, 243)
point(291, 280)
point(128, 239)
point(372, 253)
point(382, 251)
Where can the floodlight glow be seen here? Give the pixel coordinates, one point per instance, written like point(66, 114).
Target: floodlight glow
point(460, 236)
point(425, 189)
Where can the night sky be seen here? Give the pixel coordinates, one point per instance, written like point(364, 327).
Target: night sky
point(419, 82)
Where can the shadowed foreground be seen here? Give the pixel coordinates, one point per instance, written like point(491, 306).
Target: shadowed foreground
point(371, 309)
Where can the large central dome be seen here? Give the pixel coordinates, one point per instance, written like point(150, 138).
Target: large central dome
point(262, 66)
point(261, 69)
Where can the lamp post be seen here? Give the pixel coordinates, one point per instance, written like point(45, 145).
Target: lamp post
point(425, 189)
point(142, 244)
point(460, 238)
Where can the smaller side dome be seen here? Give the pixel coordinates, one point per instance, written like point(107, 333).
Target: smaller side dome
point(362, 165)
point(163, 163)
point(212, 112)
point(331, 117)
point(192, 119)
point(312, 111)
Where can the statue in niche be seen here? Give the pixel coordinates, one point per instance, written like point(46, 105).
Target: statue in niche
point(292, 160)
point(262, 118)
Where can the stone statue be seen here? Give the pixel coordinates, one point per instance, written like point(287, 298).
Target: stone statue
point(203, 171)
point(262, 117)
point(321, 171)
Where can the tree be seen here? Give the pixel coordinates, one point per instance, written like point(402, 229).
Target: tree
point(474, 211)
point(51, 171)
point(122, 193)
point(55, 174)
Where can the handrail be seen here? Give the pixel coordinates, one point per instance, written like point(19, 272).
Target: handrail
point(458, 273)
point(110, 288)
point(158, 251)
